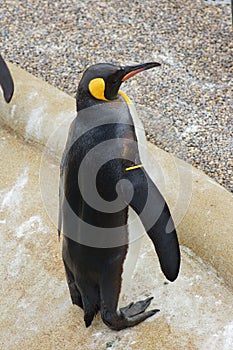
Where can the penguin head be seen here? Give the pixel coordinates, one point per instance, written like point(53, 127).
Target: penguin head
point(102, 81)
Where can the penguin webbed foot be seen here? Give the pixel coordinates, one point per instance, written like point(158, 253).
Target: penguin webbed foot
point(129, 316)
point(137, 308)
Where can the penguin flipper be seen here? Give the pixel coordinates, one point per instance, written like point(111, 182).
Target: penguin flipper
point(6, 81)
point(61, 191)
point(59, 224)
point(155, 215)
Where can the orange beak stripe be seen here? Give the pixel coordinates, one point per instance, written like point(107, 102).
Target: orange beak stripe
point(131, 74)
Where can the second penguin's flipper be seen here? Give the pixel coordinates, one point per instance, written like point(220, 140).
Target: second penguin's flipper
point(154, 213)
point(6, 81)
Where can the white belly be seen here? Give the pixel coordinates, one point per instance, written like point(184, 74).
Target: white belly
point(140, 134)
point(136, 232)
point(135, 227)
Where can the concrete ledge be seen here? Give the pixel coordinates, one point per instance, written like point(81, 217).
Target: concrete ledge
point(201, 208)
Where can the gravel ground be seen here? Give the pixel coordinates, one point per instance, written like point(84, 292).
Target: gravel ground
point(186, 105)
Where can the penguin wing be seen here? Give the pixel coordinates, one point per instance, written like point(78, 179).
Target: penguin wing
point(61, 194)
point(59, 225)
point(6, 81)
point(68, 145)
point(154, 213)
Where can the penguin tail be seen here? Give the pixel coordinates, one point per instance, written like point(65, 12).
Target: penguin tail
point(155, 216)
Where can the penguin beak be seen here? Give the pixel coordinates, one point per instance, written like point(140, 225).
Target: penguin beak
point(130, 71)
point(121, 74)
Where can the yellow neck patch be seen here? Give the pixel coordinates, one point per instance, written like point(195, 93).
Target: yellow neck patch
point(125, 97)
point(96, 88)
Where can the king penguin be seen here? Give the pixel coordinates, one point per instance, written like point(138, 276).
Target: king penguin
point(6, 81)
point(102, 176)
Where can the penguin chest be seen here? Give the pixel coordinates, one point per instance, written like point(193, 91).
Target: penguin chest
point(139, 129)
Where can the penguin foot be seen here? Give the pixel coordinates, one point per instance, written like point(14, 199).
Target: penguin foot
point(129, 316)
point(137, 308)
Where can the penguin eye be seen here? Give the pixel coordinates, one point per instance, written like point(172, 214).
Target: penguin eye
point(114, 79)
